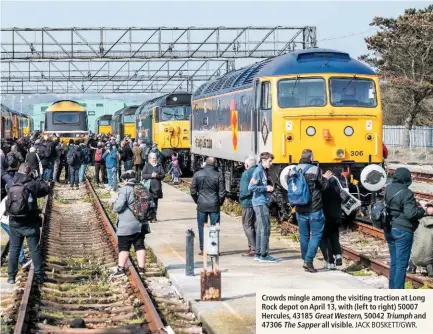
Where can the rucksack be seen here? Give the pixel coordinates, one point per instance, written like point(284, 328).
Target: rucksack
point(71, 157)
point(380, 213)
point(141, 208)
point(98, 154)
point(297, 187)
point(12, 160)
point(19, 200)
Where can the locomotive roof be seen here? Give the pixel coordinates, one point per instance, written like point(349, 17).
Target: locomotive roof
point(107, 116)
point(128, 110)
point(69, 105)
point(157, 101)
point(308, 61)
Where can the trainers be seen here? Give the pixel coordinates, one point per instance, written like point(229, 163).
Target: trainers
point(11, 281)
point(141, 271)
point(200, 253)
point(119, 272)
point(331, 266)
point(39, 280)
point(269, 259)
point(26, 263)
point(338, 260)
point(257, 257)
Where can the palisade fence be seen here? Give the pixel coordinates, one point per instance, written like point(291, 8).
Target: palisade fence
point(421, 138)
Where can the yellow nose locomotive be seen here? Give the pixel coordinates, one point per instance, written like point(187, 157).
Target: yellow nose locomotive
point(319, 99)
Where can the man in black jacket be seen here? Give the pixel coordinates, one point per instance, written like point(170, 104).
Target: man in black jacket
point(28, 226)
point(404, 221)
point(310, 217)
point(208, 192)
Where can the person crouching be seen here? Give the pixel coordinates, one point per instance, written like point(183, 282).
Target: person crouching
point(129, 228)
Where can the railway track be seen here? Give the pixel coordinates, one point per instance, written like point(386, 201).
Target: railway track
point(79, 247)
point(364, 244)
point(417, 176)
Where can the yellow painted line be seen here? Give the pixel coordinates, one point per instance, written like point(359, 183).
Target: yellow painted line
point(236, 314)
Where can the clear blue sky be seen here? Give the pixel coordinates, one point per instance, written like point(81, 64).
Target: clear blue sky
point(332, 19)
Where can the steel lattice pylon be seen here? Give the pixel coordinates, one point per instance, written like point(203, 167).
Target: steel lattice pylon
point(134, 60)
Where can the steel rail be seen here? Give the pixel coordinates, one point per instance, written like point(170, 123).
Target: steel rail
point(24, 304)
point(151, 314)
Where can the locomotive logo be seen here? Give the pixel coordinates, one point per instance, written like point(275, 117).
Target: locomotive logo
point(234, 124)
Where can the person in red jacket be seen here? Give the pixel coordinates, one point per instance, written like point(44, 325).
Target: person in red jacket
point(384, 151)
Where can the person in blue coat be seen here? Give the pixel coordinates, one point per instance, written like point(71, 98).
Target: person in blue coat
point(110, 158)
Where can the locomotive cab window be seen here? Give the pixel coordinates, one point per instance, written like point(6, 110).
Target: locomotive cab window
point(104, 122)
point(129, 119)
point(301, 92)
point(353, 92)
point(25, 123)
point(66, 118)
point(175, 113)
point(265, 102)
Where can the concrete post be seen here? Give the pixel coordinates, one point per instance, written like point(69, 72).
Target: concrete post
point(189, 269)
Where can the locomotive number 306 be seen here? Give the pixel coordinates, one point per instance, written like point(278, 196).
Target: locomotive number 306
point(356, 153)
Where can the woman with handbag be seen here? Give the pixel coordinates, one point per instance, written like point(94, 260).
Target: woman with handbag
point(154, 172)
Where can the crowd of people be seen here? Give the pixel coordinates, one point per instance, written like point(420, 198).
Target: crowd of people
point(28, 164)
point(409, 236)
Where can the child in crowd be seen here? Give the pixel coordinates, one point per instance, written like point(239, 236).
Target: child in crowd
point(175, 172)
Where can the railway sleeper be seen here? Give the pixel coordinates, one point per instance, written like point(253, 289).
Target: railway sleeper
point(59, 306)
point(85, 300)
point(117, 310)
point(65, 294)
point(47, 329)
point(88, 320)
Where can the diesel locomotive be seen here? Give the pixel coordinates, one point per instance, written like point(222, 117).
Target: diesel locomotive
point(165, 120)
point(66, 119)
point(319, 99)
point(14, 124)
point(123, 122)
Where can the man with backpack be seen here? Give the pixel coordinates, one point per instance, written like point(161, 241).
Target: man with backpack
point(261, 189)
point(133, 207)
point(99, 164)
point(305, 186)
point(24, 220)
point(43, 155)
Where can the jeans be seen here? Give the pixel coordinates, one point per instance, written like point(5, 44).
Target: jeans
point(330, 244)
point(47, 174)
point(56, 170)
point(100, 169)
point(73, 175)
point(202, 218)
point(17, 235)
point(82, 172)
point(400, 244)
point(248, 222)
point(263, 230)
point(127, 165)
point(112, 177)
point(7, 230)
point(313, 222)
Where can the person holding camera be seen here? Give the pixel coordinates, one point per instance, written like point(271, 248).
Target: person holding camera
point(24, 220)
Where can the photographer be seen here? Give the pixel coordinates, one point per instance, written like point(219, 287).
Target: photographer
point(24, 220)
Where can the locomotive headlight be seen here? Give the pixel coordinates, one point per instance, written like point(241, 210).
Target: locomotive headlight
point(311, 131)
point(185, 130)
point(369, 136)
point(348, 131)
point(340, 153)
